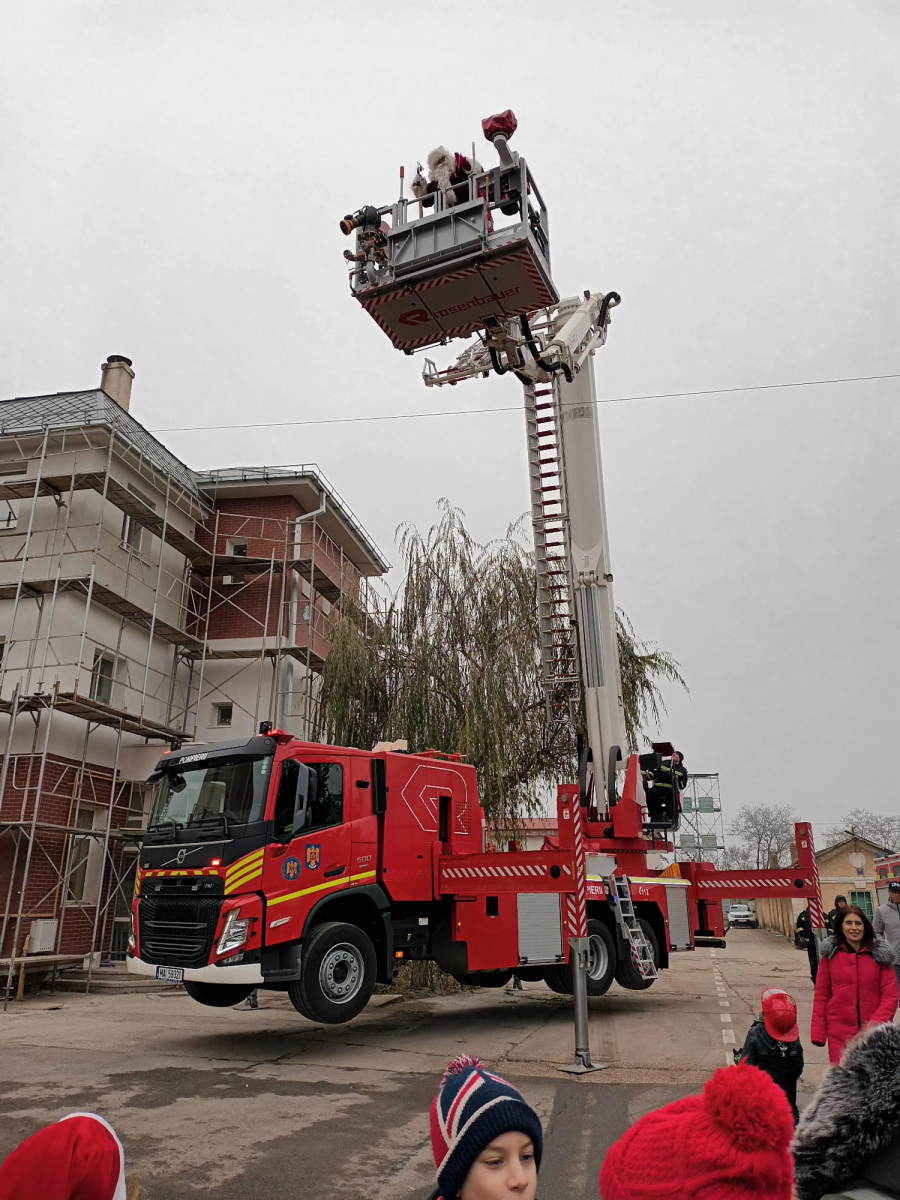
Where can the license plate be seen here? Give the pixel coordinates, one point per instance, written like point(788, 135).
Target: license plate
point(170, 974)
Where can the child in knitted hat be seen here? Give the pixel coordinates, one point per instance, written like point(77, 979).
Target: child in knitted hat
point(487, 1142)
point(732, 1142)
point(78, 1158)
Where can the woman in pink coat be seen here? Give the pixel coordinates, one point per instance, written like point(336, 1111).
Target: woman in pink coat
point(856, 985)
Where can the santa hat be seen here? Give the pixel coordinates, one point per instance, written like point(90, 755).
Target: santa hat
point(472, 1108)
point(732, 1142)
point(78, 1158)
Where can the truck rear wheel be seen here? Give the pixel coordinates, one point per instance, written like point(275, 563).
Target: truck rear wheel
point(218, 995)
point(485, 979)
point(627, 974)
point(601, 966)
point(337, 974)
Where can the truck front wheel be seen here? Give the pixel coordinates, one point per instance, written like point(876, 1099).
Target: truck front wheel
point(218, 995)
point(337, 974)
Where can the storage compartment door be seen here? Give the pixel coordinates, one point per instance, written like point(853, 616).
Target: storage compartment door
point(679, 921)
point(540, 928)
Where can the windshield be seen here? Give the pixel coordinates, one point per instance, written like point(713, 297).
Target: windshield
point(209, 792)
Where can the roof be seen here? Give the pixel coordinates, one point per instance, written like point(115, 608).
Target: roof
point(239, 480)
point(94, 409)
point(74, 410)
point(850, 838)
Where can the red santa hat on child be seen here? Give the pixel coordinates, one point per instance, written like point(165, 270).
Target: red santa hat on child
point(78, 1158)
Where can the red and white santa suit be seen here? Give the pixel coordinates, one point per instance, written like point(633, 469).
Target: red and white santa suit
point(78, 1158)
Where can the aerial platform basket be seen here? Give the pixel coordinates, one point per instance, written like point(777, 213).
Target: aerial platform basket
point(428, 278)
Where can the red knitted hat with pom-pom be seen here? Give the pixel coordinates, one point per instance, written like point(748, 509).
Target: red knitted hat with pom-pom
point(732, 1142)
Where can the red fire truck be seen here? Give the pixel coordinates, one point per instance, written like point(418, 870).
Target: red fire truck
point(315, 869)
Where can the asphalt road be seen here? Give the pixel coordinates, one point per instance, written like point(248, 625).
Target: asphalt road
point(256, 1104)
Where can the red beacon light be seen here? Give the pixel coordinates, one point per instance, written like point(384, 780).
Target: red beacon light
point(281, 736)
point(499, 129)
point(216, 862)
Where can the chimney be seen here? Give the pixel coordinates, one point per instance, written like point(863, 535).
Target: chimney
point(115, 379)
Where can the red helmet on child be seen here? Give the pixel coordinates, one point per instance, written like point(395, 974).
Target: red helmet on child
point(779, 1012)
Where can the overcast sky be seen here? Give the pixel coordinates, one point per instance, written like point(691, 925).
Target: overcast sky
point(173, 175)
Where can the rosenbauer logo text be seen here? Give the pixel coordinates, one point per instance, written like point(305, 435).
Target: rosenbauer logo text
point(418, 316)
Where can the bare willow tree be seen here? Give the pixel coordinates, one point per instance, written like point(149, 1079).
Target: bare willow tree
point(453, 662)
point(765, 834)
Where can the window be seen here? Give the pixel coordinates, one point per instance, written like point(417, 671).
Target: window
point(84, 861)
point(328, 806)
point(137, 805)
point(9, 515)
point(222, 713)
point(131, 535)
point(326, 809)
point(284, 801)
point(102, 678)
point(235, 550)
point(863, 900)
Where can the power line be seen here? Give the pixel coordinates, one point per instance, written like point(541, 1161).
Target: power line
point(467, 412)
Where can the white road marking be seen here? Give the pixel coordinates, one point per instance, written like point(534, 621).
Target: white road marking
point(723, 1003)
point(726, 1017)
point(728, 1036)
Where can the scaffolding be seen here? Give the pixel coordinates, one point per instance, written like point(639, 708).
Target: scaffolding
point(133, 596)
point(702, 834)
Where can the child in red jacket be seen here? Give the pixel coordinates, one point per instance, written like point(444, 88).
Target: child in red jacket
point(856, 985)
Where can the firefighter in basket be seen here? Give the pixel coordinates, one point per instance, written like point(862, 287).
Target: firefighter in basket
point(663, 787)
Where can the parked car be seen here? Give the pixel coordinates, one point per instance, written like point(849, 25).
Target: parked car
point(742, 914)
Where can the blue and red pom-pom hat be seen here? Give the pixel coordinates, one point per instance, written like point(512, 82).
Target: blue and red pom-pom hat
point(473, 1107)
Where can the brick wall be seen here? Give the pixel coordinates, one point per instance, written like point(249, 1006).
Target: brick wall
point(61, 786)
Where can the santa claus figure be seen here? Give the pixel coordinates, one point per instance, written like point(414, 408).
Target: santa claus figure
point(447, 173)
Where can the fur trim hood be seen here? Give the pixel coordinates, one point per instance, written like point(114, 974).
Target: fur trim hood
point(882, 951)
point(854, 1114)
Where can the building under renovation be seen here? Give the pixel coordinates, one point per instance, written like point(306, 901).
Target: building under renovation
point(141, 604)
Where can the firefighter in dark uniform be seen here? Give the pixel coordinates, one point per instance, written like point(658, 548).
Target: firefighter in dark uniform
point(806, 938)
point(840, 903)
point(667, 782)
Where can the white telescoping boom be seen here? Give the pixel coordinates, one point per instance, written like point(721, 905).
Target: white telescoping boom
point(480, 263)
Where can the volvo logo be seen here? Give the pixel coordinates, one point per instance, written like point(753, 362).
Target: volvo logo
point(180, 856)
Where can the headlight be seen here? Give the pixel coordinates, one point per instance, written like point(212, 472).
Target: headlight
point(234, 935)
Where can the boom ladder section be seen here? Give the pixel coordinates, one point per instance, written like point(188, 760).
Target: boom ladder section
point(549, 520)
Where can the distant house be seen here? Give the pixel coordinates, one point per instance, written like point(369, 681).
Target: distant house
point(529, 833)
point(848, 868)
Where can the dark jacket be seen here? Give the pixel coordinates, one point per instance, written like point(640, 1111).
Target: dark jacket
point(803, 929)
point(782, 1060)
point(852, 991)
point(849, 1134)
point(669, 777)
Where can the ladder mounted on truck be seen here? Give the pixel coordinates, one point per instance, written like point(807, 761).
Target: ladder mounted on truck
point(629, 927)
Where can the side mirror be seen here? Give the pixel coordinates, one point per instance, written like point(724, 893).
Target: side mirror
point(303, 798)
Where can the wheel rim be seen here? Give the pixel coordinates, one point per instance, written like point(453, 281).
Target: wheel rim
point(598, 963)
point(341, 973)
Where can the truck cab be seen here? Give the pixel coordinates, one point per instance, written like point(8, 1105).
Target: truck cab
point(277, 863)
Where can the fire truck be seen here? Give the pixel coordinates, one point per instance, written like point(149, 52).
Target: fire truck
point(315, 869)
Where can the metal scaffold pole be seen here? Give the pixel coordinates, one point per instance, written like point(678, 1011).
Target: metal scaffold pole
point(31, 840)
